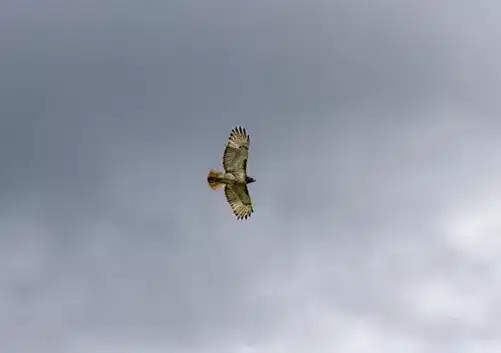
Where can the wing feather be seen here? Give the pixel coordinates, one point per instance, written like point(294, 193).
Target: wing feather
point(239, 199)
point(236, 153)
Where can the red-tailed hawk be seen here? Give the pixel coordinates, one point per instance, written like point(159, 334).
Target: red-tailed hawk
point(234, 178)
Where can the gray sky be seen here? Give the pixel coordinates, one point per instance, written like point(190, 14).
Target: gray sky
point(375, 145)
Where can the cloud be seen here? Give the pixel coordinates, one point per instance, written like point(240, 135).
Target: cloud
point(373, 146)
point(473, 228)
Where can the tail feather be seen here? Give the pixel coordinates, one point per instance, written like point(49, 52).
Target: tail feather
point(212, 180)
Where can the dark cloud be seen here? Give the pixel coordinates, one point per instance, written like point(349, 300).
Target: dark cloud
point(370, 127)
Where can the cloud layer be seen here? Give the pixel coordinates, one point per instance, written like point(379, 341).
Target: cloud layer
point(373, 141)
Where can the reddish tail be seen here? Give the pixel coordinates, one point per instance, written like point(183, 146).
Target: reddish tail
point(212, 179)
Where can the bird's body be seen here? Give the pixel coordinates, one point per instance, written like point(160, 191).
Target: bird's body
point(221, 178)
point(235, 178)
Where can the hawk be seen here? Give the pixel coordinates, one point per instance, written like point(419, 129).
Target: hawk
point(235, 178)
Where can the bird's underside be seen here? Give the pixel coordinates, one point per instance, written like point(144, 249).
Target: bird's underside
point(218, 179)
point(234, 179)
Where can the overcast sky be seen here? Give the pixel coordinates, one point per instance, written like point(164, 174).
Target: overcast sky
point(375, 142)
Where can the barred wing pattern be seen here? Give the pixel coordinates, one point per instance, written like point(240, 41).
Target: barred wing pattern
point(239, 199)
point(236, 153)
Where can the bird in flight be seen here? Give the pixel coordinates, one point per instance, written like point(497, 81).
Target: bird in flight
point(235, 178)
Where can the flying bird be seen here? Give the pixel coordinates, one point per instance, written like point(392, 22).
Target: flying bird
point(235, 178)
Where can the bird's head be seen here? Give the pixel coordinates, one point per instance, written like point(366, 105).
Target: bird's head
point(249, 180)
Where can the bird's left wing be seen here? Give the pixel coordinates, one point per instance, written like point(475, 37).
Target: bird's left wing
point(236, 152)
point(239, 199)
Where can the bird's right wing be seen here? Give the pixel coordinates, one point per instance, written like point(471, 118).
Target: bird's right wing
point(239, 199)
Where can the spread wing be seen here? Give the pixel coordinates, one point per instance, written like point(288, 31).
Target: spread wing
point(236, 153)
point(239, 199)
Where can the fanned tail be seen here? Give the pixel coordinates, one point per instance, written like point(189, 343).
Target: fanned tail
point(212, 179)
